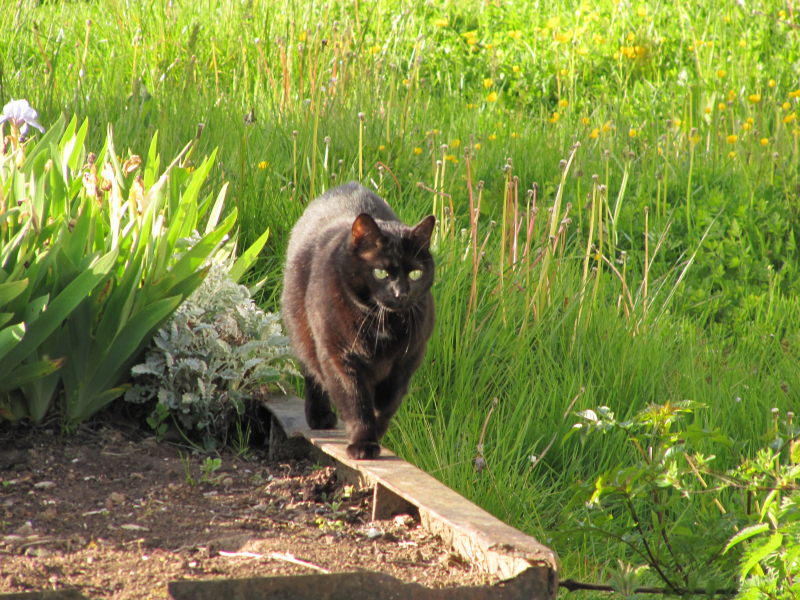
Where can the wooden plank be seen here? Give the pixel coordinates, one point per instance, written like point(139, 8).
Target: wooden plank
point(479, 537)
point(353, 586)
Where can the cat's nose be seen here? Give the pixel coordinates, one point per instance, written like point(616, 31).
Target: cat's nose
point(399, 290)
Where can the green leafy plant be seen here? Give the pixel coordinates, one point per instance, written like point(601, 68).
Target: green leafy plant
point(90, 266)
point(683, 519)
point(207, 469)
point(214, 353)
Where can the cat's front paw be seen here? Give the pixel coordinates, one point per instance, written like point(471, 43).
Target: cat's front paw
point(363, 450)
point(322, 420)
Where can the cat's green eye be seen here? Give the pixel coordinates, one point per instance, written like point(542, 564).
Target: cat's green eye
point(415, 274)
point(380, 273)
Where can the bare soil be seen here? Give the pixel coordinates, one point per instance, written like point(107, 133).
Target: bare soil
point(116, 514)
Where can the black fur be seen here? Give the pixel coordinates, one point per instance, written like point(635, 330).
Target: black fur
point(358, 336)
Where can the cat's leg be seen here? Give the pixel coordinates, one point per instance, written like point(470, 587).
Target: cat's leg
point(354, 400)
point(389, 395)
point(360, 423)
point(353, 395)
point(319, 414)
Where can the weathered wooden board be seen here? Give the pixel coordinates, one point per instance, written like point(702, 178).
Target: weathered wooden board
point(480, 538)
point(352, 586)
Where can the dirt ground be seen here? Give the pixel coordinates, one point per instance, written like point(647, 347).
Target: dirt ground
point(116, 514)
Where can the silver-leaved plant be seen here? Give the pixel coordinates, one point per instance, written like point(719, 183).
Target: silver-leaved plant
point(216, 352)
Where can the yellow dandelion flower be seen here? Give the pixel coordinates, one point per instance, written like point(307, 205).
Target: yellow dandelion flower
point(381, 148)
point(563, 103)
point(263, 165)
point(417, 150)
point(515, 68)
point(764, 141)
point(582, 51)
point(554, 117)
point(695, 139)
point(676, 122)
point(553, 22)
point(722, 106)
point(470, 105)
point(585, 120)
point(595, 133)
point(455, 143)
point(515, 34)
point(476, 146)
point(488, 82)
point(722, 73)
point(302, 36)
point(786, 106)
point(472, 41)
point(732, 139)
point(772, 83)
point(598, 39)
point(690, 48)
point(375, 49)
point(731, 95)
point(791, 117)
point(708, 110)
point(630, 37)
point(641, 11)
point(441, 22)
point(492, 137)
point(563, 72)
point(747, 126)
point(632, 133)
point(731, 154)
point(492, 97)
point(406, 82)
point(563, 37)
point(451, 158)
point(606, 127)
point(514, 135)
point(754, 98)
point(794, 94)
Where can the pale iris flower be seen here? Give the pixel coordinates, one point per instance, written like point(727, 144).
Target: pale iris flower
point(21, 115)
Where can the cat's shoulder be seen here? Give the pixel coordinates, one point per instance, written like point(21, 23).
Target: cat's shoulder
point(349, 200)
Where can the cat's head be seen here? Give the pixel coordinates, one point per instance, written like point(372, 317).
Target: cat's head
point(393, 263)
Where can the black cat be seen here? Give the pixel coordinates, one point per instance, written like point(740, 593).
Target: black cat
point(358, 310)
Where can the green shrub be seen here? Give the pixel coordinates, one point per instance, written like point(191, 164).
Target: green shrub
point(89, 268)
point(694, 526)
point(214, 353)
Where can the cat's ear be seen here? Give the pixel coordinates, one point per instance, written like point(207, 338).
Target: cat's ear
point(423, 231)
point(365, 232)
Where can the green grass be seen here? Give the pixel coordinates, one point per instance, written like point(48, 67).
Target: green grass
point(673, 268)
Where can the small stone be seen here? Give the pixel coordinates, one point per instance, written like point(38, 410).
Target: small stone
point(44, 485)
point(26, 529)
point(404, 521)
point(374, 533)
point(115, 498)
